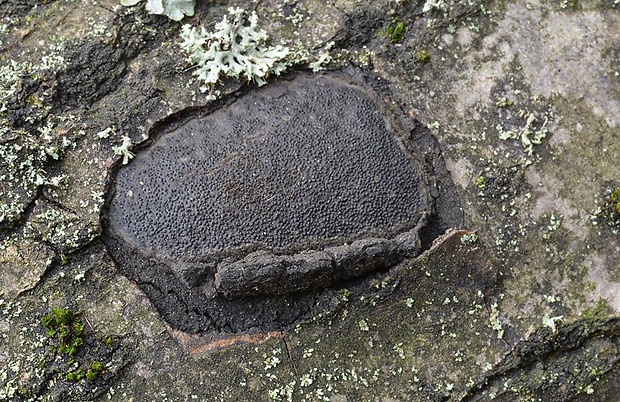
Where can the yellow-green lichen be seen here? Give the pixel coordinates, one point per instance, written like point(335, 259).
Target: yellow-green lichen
point(423, 56)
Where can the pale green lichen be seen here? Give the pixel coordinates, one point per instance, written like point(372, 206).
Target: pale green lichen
point(495, 322)
point(123, 150)
point(549, 322)
point(322, 59)
point(105, 133)
point(9, 82)
point(24, 154)
point(13, 72)
point(273, 360)
point(363, 325)
point(469, 238)
point(528, 134)
point(430, 5)
point(236, 48)
point(504, 102)
point(55, 225)
point(480, 183)
point(173, 9)
point(23, 159)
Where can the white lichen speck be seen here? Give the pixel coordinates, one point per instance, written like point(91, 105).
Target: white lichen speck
point(123, 150)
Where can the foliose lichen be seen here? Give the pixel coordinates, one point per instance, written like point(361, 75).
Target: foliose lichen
point(123, 150)
point(528, 134)
point(237, 48)
point(173, 9)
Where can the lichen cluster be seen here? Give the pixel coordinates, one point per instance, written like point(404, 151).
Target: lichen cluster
point(173, 9)
point(24, 157)
point(237, 48)
point(530, 134)
point(29, 144)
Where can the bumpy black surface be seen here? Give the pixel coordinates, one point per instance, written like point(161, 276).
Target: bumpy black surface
point(248, 216)
point(295, 163)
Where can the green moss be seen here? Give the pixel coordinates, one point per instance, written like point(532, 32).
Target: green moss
point(395, 31)
point(109, 341)
point(614, 200)
point(480, 183)
point(422, 56)
point(504, 102)
point(599, 313)
point(75, 376)
point(96, 368)
point(34, 100)
point(609, 211)
point(67, 330)
point(63, 326)
point(571, 4)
